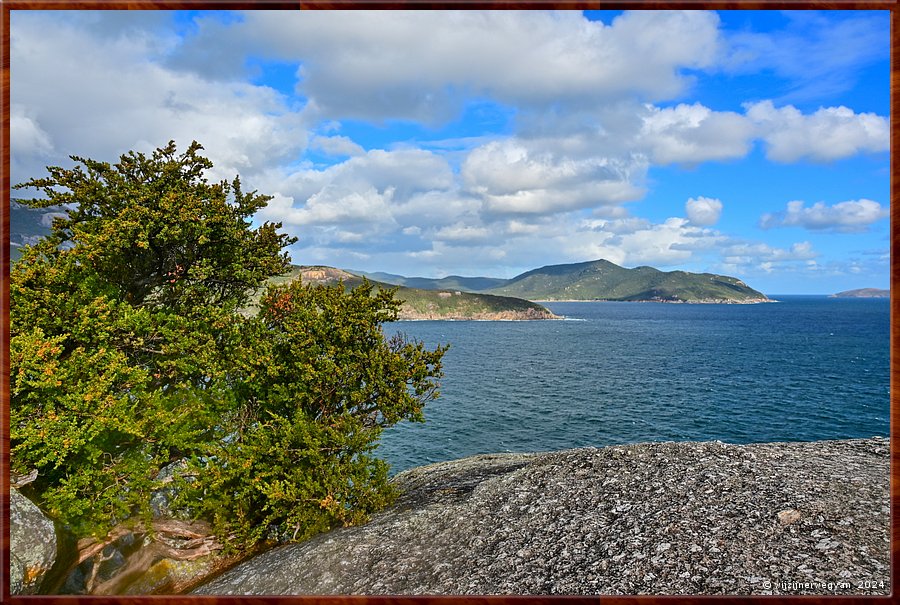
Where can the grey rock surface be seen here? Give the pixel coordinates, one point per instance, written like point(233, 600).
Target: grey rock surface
point(654, 518)
point(32, 544)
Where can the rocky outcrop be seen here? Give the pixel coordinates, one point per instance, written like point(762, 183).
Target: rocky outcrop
point(656, 518)
point(407, 313)
point(32, 544)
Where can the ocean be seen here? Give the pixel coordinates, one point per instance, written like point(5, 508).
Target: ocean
point(803, 369)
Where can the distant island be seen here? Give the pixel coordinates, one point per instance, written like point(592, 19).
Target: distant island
point(863, 293)
point(598, 280)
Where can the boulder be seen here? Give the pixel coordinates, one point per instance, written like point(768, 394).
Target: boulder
point(32, 544)
point(653, 518)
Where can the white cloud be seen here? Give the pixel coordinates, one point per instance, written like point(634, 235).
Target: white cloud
point(100, 96)
point(849, 216)
point(336, 146)
point(703, 211)
point(340, 206)
point(830, 133)
point(739, 254)
point(633, 241)
point(501, 54)
point(26, 133)
point(517, 176)
point(374, 188)
point(385, 200)
point(694, 133)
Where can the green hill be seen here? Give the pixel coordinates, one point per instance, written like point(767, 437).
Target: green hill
point(451, 282)
point(429, 304)
point(603, 280)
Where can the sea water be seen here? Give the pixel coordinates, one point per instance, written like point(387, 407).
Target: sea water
point(802, 369)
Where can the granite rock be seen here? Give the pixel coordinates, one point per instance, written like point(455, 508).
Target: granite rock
point(653, 518)
point(32, 544)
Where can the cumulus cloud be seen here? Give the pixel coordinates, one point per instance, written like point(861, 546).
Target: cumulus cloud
point(370, 188)
point(500, 54)
point(694, 133)
point(849, 216)
point(517, 176)
point(336, 146)
point(739, 254)
point(336, 205)
point(101, 95)
point(830, 133)
point(703, 211)
point(26, 133)
point(633, 241)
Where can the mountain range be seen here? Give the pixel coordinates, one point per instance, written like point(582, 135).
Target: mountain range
point(595, 280)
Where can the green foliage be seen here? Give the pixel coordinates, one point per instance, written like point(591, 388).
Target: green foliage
point(159, 233)
point(318, 382)
point(603, 280)
point(128, 352)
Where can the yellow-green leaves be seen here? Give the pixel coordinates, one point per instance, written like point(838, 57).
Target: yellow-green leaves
point(320, 382)
point(128, 353)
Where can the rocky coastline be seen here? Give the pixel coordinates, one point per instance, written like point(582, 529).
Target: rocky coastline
point(657, 518)
point(529, 314)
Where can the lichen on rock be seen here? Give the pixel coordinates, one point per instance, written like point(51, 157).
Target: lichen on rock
point(32, 544)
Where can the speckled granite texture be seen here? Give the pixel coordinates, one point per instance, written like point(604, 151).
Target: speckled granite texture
point(32, 544)
point(655, 518)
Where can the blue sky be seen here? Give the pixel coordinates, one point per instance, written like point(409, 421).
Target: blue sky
point(749, 143)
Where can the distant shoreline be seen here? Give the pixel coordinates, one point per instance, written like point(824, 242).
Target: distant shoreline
point(863, 293)
point(668, 302)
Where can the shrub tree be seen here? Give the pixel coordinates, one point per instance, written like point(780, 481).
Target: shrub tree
point(131, 348)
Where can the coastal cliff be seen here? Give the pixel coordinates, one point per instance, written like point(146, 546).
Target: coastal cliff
point(653, 518)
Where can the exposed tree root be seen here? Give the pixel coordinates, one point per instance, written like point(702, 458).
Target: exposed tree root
point(168, 539)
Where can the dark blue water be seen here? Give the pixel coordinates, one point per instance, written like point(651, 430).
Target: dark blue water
point(806, 368)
